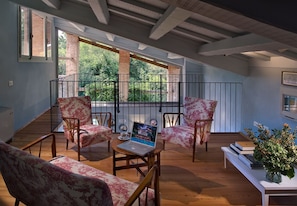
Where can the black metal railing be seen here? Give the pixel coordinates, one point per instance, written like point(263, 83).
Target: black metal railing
point(144, 101)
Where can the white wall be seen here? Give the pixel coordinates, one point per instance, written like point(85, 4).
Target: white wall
point(29, 96)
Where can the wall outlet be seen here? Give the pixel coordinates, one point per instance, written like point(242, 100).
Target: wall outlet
point(10, 83)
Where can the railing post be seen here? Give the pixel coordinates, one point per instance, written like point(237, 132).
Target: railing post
point(160, 108)
point(179, 100)
point(117, 94)
point(116, 105)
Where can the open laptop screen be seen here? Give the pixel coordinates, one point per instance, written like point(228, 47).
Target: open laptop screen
point(143, 133)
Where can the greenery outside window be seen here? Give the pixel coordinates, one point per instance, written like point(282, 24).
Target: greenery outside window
point(148, 81)
point(34, 36)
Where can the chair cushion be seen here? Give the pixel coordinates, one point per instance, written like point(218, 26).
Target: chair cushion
point(91, 134)
point(196, 108)
point(120, 189)
point(181, 135)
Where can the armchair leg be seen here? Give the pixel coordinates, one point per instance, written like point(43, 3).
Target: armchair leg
point(193, 157)
point(108, 145)
point(194, 149)
point(67, 144)
point(163, 144)
point(78, 152)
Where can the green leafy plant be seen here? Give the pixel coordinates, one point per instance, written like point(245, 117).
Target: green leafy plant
point(276, 149)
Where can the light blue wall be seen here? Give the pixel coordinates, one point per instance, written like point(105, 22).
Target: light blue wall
point(261, 98)
point(213, 74)
point(193, 67)
point(262, 93)
point(29, 96)
point(228, 92)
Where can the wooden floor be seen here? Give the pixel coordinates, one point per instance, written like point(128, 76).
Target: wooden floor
point(204, 182)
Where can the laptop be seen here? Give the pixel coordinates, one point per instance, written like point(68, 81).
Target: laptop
point(143, 139)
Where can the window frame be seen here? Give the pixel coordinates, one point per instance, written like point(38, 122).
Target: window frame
point(47, 55)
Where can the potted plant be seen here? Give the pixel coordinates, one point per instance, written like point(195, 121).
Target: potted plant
point(276, 150)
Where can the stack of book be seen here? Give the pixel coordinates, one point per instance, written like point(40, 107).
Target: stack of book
point(243, 147)
point(245, 151)
point(249, 160)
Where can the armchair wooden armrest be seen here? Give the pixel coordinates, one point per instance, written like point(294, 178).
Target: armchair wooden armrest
point(40, 141)
point(150, 180)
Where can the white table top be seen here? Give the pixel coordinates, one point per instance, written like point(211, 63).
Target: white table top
point(257, 176)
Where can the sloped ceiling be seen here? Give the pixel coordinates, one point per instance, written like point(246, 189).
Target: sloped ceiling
point(221, 33)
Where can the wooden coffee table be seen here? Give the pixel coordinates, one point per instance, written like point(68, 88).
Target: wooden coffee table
point(257, 177)
point(129, 160)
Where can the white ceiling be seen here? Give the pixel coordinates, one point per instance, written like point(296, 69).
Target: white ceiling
point(220, 33)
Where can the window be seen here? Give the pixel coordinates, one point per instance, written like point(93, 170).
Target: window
point(35, 36)
point(48, 39)
point(24, 31)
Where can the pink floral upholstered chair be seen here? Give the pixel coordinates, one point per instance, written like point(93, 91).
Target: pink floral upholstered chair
point(34, 181)
point(64, 181)
point(191, 127)
point(77, 122)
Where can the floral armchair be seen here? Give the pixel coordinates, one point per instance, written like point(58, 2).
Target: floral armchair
point(65, 181)
point(77, 122)
point(191, 127)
